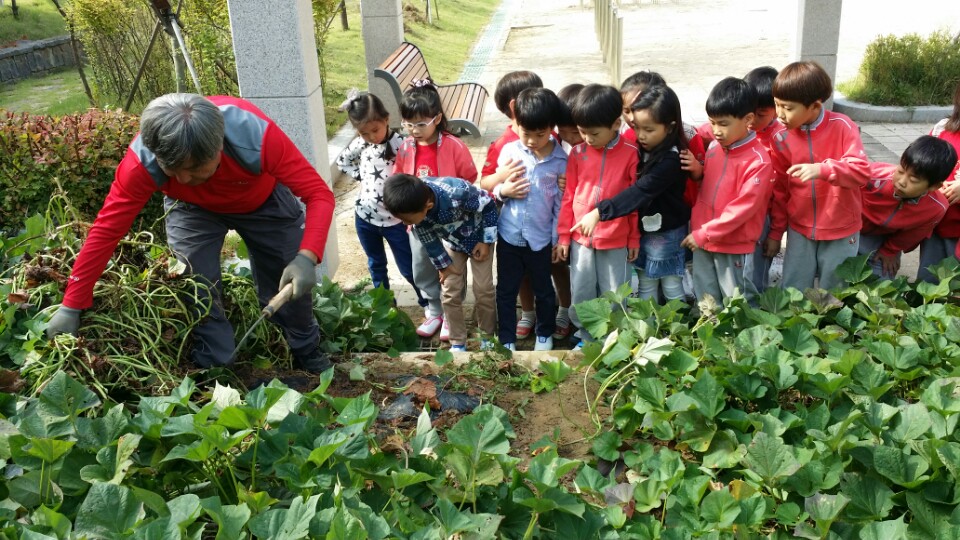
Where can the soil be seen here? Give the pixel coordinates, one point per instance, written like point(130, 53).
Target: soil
point(556, 417)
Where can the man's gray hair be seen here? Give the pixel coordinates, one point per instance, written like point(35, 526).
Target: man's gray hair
point(180, 127)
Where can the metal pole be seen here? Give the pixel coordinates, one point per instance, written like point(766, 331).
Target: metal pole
point(186, 55)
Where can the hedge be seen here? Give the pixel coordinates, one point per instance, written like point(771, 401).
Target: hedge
point(78, 151)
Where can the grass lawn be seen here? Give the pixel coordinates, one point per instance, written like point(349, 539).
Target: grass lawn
point(443, 44)
point(38, 20)
point(55, 94)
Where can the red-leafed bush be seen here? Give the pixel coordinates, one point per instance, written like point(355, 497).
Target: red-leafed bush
point(80, 151)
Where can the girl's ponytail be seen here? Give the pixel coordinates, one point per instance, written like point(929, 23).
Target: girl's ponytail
point(362, 107)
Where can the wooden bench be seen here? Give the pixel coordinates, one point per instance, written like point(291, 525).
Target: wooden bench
point(463, 103)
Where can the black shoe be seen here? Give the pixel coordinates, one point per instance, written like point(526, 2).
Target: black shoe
point(315, 362)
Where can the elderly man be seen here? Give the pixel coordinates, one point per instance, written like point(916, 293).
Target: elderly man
point(221, 164)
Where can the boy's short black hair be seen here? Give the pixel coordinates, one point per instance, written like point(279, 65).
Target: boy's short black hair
point(803, 82)
point(536, 109)
point(566, 95)
point(731, 97)
point(761, 80)
point(930, 158)
point(509, 87)
point(405, 194)
point(597, 105)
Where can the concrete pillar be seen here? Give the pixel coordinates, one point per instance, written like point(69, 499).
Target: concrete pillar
point(818, 34)
point(382, 28)
point(277, 67)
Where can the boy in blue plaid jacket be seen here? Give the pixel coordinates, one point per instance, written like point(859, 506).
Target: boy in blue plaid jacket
point(456, 222)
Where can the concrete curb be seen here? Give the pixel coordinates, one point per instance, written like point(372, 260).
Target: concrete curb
point(529, 359)
point(862, 112)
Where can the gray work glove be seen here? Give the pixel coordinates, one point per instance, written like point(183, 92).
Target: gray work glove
point(65, 321)
point(302, 273)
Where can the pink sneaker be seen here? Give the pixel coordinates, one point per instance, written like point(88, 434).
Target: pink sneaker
point(445, 331)
point(429, 326)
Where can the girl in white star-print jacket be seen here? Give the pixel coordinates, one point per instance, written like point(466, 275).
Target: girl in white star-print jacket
point(370, 159)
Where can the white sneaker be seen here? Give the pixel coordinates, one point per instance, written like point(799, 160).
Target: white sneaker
point(429, 326)
point(543, 343)
point(458, 348)
point(486, 345)
point(512, 347)
point(445, 331)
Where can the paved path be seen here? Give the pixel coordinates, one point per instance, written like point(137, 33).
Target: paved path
point(693, 44)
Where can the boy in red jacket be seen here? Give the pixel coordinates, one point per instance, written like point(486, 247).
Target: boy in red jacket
point(820, 166)
point(598, 168)
point(731, 206)
point(902, 204)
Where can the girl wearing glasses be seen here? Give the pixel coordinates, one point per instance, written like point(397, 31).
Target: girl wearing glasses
point(430, 151)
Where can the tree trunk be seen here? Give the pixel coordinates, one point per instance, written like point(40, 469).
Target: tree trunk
point(343, 15)
point(15, 8)
point(76, 54)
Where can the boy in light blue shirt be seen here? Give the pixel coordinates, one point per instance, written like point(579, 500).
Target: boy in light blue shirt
point(528, 220)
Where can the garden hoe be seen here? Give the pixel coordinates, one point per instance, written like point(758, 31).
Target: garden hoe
point(268, 311)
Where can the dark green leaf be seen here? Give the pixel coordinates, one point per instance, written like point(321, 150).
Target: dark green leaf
point(230, 519)
point(719, 509)
point(108, 510)
point(870, 499)
point(770, 458)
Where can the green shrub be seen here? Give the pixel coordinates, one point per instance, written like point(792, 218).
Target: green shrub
point(80, 151)
point(907, 71)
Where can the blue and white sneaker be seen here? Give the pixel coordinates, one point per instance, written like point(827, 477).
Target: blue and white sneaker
point(486, 345)
point(458, 348)
point(578, 346)
point(544, 343)
point(512, 347)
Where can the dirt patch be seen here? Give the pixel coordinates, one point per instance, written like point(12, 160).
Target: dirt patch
point(559, 416)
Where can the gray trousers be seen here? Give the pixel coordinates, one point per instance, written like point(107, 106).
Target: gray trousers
point(721, 274)
point(932, 251)
point(805, 259)
point(272, 234)
point(869, 244)
point(426, 277)
point(592, 273)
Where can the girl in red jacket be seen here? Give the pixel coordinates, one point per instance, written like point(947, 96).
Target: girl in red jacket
point(430, 151)
point(943, 242)
point(820, 166)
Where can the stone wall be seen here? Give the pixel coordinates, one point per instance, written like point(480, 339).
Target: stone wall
point(32, 58)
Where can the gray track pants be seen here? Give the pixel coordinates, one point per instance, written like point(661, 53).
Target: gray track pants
point(272, 234)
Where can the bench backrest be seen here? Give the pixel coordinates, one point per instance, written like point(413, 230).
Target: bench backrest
point(462, 103)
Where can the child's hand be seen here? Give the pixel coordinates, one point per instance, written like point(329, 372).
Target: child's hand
point(690, 243)
point(691, 164)
point(562, 182)
point(480, 252)
point(587, 223)
point(951, 191)
point(771, 247)
point(805, 171)
point(447, 272)
point(632, 254)
point(560, 253)
point(515, 187)
point(888, 263)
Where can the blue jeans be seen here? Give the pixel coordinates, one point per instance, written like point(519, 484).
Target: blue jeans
point(371, 240)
